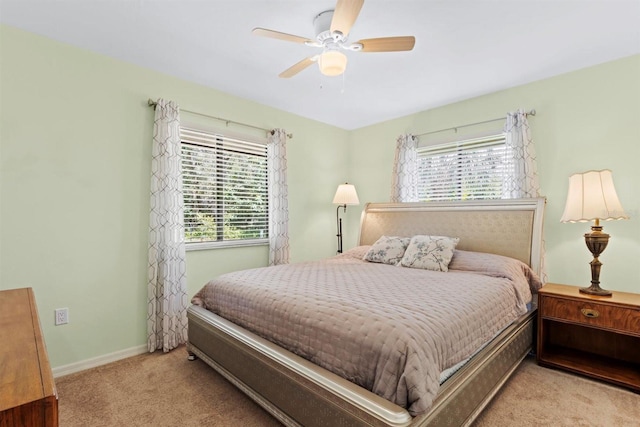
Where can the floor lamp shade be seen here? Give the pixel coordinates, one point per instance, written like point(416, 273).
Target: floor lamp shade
point(345, 195)
point(592, 197)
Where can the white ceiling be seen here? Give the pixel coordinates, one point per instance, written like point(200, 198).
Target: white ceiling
point(464, 48)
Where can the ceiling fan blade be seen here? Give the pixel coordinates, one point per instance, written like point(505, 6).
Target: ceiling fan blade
point(345, 15)
point(280, 36)
point(296, 68)
point(388, 44)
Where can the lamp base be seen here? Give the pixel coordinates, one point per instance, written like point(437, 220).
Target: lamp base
point(596, 242)
point(596, 290)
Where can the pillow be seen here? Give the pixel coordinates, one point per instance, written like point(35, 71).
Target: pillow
point(495, 266)
point(430, 252)
point(357, 252)
point(387, 250)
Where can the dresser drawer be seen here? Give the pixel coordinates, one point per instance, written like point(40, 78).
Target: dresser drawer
point(615, 318)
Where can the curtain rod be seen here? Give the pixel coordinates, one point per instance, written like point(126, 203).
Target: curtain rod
point(455, 128)
point(153, 104)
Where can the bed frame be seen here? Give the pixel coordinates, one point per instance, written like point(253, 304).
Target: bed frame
point(299, 393)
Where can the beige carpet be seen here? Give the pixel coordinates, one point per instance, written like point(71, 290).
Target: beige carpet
point(167, 390)
point(537, 396)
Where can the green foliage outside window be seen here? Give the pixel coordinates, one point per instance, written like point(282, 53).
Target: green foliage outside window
point(225, 194)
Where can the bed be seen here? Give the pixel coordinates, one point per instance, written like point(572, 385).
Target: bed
point(307, 391)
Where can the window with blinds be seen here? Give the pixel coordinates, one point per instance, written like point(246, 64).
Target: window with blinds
point(464, 170)
point(225, 189)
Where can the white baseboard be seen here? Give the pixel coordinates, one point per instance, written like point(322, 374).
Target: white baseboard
point(98, 361)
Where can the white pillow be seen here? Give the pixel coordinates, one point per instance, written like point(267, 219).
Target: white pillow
point(430, 252)
point(387, 250)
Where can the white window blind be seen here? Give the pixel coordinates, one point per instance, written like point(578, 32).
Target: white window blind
point(464, 170)
point(225, 188)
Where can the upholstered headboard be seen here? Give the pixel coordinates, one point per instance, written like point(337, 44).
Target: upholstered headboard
point(510, 227)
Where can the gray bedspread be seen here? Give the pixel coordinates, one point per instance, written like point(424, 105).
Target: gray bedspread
point(389, 329)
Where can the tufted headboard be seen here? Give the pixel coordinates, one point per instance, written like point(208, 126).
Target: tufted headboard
point(510, 227)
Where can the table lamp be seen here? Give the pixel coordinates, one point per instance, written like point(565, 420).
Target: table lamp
point(592, 197)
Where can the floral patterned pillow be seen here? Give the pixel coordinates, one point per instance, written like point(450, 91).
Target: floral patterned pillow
point(430, 252)
point(387, 250)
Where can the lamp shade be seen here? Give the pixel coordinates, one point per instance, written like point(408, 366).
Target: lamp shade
point(592, 196)
point(346, 195)
point(332, 63)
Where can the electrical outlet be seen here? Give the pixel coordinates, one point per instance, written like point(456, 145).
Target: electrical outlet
point(62, 316)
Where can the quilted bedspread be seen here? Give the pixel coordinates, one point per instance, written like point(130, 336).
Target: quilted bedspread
point(389, 329)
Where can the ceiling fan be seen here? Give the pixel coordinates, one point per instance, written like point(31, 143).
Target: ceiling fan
point(332, 28)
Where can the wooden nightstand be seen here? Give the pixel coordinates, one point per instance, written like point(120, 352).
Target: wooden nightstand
point(591, 335)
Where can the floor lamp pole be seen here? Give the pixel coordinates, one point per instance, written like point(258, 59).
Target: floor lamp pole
point(339, 226)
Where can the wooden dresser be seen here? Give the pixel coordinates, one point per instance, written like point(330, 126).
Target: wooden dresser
point(28, 394)
point(590, 335)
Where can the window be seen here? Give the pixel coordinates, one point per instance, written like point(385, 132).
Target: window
point(464, 170)
point(225, 190)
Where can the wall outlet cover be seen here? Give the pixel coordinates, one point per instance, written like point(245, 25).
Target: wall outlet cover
point(62, 316)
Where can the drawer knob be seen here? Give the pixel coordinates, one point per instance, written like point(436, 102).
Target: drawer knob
point(589, 312)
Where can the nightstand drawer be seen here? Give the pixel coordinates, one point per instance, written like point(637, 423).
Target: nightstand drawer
point(615, 318)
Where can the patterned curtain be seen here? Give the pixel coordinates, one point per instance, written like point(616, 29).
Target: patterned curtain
point(278, 198)
point(167, 290)
point(522, 182)
point(404, 184)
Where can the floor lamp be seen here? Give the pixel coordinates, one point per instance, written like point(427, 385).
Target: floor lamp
point(345, 195)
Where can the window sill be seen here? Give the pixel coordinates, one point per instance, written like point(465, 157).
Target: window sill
point(199, 246)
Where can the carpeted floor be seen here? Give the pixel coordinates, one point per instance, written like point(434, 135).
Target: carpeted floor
point(535, 396)
point(167, 390)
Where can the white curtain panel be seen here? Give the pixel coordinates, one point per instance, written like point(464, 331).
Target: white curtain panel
point(523, 181)
point(278, 197)
point(167, 288)
point(404, 182)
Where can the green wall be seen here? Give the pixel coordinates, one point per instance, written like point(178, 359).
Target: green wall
point(587, 119)
point(75, 146)
point(75, 153)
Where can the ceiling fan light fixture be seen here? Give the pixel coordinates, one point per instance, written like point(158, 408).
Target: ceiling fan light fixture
point(332, 63)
